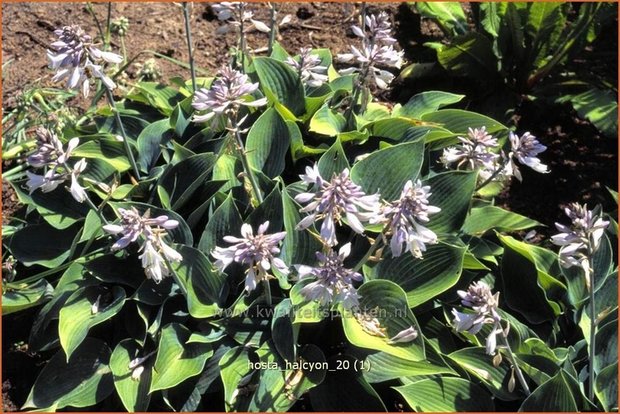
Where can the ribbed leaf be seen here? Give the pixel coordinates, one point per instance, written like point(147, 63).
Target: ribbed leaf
point(425, 102)
point(446, 394)
point(334, 161)
point(458, 121)
point(112, 151)
point(267, 143)
point(134, 393)
point(561, 393)
point(31, 244)
point(452, 192)
point(26, 296)
point(383, 367)
point(283, 82)
point(486, 218)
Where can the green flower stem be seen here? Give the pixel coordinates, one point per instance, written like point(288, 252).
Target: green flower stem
point(494, 175)
point(188, 38)
point(588, 273)
point(373, 248)
point(132, 160)
point(242, 42)
point(106, 40)
point(244, 160)
point(273, 25)
point(89, 7)
point(267, 292)
point(15, 170)
point(515, 365)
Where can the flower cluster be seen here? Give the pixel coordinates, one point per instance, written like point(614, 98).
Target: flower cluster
point(582, 238)
point(309, 67)
point(525, 149)
point(377, 50)
point(334, 199)
point(405, 217)
point(474, 152)
point(333, 283)
point(228, 92)
point(50, 154)
point(479, 298)
point(151, 232)
point(236, 15)
point(255, 251)
point(75, 58)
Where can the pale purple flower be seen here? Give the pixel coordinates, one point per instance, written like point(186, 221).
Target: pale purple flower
point(484, 303)
point(309, 68)
point(525, 149)
point(405, 219)
point(257, 252)
point(333, 283)
point(77, 191)
point(46, 182)
point(475, 152)
point(151, 232)
point(582, 238)
point(75, 58)
point(332, 200)
point(235, 14)
point(377, 50)
point(228, 92)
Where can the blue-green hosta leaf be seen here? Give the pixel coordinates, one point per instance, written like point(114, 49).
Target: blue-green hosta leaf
point(133, 125)
point(525, 274)
point(282, 332)
point(386, 171)
point(479, 364)
point(82, 382)
point(561, 393)
point(452, 192)
point(234, 365)
point(134, 393)
point(267, 143)
point(422, 279)
point(387, 302)
point(111, 150)
point(470, 54)
point(394, 128)
point(334, 161)
point(31, 244)
point(85, 308)
point(282, 83)
point(606, 387)
point(25, 296)
point(327, 122)
point(270, 210)
point(425, 102)
point(486, 218)
point(150, 143)
point(278, 389)
point(383, 367)
point(201, 284)
point(162, 97)
point(180, 181)
point(445, 394)
point(225, 221)
point(458, 121)
point(177, 361)
point(298, 247)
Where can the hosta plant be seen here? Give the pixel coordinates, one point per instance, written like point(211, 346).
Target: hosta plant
point(273, 238)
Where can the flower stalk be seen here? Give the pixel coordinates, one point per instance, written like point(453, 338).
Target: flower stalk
point(126, 144)
point(515, 364)
point(188, 38)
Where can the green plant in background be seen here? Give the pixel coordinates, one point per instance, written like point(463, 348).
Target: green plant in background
point(521, 51)
point(283, 236)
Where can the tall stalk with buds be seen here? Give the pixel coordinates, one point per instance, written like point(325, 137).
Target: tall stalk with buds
point(579, 241)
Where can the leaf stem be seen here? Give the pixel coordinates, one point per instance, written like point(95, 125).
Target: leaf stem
point(244, 159)
point(188, 38)
point(515, 365)
point(132, 160)
point(267, 292)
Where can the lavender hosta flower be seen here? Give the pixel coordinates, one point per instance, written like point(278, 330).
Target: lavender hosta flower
point(257, 252)
point(369, 57)
point(525, 149)
point(379, 29)
point(582, 238)
point(75, 58)
point(334, 199)
point(77, 191)
point(155, 252)
point(228, 92)
point(474, 151)
point(333, 283)
point(484, 303)
point(405, 217)
point(50, 150)
point(234, 14)
point(309, 68)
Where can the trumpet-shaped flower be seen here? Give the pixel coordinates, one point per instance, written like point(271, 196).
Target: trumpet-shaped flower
point(151, 232)
point(582, 238)
point(474, 151)
point(75, 58)
point(479, 298)
point(256, 251)
point(334, 199)
point(406, 217)
point(228, 92)
point(525, 149)
point(309, 68)
point(235, 14)
point(333, 283)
